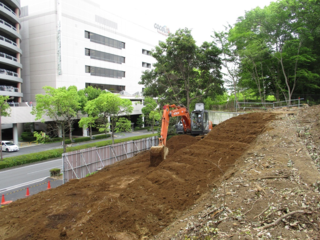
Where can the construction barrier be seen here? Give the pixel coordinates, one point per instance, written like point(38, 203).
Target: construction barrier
point(78, 164)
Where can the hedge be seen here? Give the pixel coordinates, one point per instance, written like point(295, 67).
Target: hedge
point(28, 136)
point(57, 153)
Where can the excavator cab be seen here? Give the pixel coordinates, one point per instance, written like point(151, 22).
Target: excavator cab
point(200, 120)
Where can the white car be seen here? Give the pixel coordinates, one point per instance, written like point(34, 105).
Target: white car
point(9, 146)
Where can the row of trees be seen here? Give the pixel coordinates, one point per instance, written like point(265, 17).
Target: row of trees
point(64, 104)
point(272, 51)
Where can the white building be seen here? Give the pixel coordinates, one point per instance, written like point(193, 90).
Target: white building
point(77, 42)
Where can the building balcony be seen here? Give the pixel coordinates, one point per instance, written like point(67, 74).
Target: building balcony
point(10, 45)
point(14, 3)
point(10, 14)
point(11, 94)
point(9, 60)
point(9, 75)
point(9, 29)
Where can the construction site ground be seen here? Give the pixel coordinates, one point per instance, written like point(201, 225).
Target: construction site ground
point(255, 176)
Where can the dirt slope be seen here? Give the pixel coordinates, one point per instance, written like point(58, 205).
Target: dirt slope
point(273, 192)
point(131, 200)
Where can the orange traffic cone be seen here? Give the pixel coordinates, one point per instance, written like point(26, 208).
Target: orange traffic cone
point(49, 186)
point(4, 202)
point(27, 194)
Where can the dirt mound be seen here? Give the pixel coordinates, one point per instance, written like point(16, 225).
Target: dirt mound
point(130, 200)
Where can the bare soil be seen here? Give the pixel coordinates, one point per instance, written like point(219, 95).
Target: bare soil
point(249, 171)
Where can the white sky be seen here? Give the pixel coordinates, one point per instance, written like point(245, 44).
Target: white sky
point(202, 16)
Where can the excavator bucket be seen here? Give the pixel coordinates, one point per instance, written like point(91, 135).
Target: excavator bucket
point(157, 155)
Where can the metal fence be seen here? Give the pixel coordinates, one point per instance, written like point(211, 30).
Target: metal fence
point(268, 105)
point(78, 164)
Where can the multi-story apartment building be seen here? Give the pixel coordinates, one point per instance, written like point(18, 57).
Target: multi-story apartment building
point(10, 51)
point(78, 42)
point(74, 42)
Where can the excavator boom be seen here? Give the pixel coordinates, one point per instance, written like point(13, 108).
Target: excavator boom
point(197, 124)
point(159, 153)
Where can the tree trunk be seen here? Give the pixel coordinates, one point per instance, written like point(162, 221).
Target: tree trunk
point(112, 130)
point(70, 130)
point(63, 138)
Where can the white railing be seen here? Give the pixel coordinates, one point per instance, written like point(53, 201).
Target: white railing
point(8, 88)
point(7, 24)
point(268, 105)
point(7, 72)
point(2, 38)
point(4, 55)
point(2, 5)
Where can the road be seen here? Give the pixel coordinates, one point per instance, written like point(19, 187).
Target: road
point(20, 175)
point(50, 146)
point(24, 174)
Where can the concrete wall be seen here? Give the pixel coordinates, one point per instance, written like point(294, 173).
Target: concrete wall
point(218, 117)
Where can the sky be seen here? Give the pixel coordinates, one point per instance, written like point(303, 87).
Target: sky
point(202, 16)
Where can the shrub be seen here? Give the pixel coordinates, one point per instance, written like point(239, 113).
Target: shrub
point(28, 136)
point(81, 139)
point(55, 172)
point(137, 128)
point(102, 136)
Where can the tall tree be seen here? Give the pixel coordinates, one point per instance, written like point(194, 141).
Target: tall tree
point(108, 105)
point(5, 112)
point(59, 104)
point(183, 71)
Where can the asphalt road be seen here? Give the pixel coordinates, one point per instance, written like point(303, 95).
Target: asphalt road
point(21, 175)
point(50, 146)
point(25, 174)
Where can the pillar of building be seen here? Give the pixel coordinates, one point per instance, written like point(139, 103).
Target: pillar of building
point(15, 134)
point(142, 115)
point(59, 131)
point(85, 131)
point(109, 124)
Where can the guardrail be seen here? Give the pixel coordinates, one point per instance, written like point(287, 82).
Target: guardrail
point(4, 55)
point(7, 72)
point(2, 5)
point(7, 24)
point(78, 164)
point(8, 88)
point(269, 105)
point(2, 38)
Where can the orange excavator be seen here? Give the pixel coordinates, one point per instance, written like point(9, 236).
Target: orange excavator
point(197, 124)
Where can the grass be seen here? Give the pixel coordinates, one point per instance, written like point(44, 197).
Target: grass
point(57, 153)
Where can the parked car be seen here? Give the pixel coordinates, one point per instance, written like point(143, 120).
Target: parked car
point(9, 146)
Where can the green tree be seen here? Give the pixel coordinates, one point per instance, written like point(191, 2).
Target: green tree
point(59, 104)
point(183, 71)
point(5, 112)
point(150, 106)
point(108, 105)
point(86, 95)
point(154, 116)
point(123, 125)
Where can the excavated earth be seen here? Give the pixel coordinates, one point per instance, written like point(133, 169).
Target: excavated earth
point(188, 196)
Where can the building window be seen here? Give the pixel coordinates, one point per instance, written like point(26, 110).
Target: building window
point(147, 65)
point(104, 72)
point(103, 56)
point(104, 40)
point(108, 87)
point(146, 52)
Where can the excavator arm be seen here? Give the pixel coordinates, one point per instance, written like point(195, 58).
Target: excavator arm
point(177, 111)
point(159, 153)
